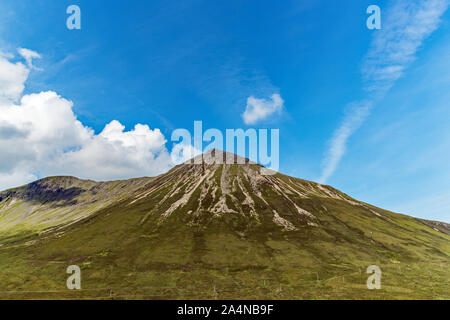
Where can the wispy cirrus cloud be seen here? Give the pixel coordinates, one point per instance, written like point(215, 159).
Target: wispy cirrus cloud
point(406, 25)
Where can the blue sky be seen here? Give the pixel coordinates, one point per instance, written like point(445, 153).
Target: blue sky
point(168, 63)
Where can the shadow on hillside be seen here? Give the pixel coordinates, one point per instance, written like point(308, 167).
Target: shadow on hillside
point(37, 192)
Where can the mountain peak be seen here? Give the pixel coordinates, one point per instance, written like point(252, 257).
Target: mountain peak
point(217, 156)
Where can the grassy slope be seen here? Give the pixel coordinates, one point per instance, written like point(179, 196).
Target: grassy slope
point(187, 257)
point(50, 203)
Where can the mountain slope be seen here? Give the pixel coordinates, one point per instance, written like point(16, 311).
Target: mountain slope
point(206, 230)
point(59, 201)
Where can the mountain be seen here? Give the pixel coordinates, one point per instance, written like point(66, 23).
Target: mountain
point(209, 230)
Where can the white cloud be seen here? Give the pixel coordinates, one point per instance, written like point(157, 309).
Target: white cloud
point(40, 135)
point(116, 154)
point(29, 55)
point(355, 117)
point(406, 25)
point(15, 178)
point(259, 109)
point(12, 79)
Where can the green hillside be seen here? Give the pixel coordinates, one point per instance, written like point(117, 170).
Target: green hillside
point(213, 231)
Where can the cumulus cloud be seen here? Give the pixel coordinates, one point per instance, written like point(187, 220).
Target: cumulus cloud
point(116, 154)
point(259, 109)
point(406, 25)
point(36, 130)
point(12, 79)
point(40, 135)
point(15, 178)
